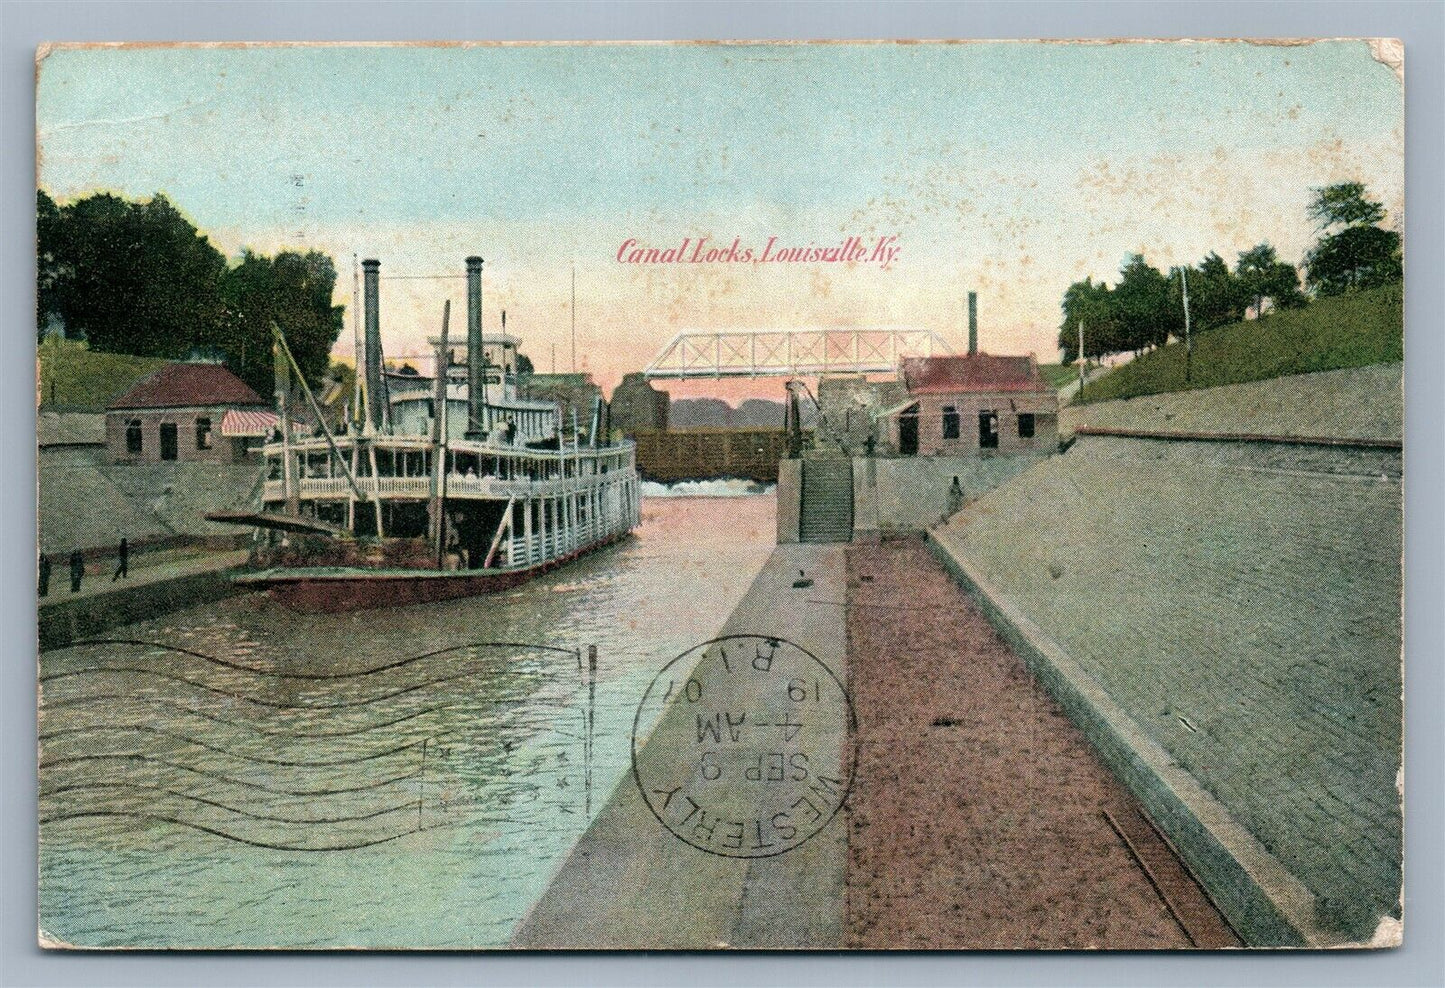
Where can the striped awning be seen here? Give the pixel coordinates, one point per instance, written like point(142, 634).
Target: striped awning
point(243, 424)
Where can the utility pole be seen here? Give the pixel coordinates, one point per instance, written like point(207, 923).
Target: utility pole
point(1188, 337)
point(1081, 358)
point(574, 317)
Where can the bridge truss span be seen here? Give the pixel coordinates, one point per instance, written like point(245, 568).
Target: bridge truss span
point(791, 353)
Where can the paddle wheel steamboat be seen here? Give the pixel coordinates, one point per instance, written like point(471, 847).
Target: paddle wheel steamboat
point(439, 487)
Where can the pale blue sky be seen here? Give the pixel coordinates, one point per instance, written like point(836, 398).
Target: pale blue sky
point(1007, 167)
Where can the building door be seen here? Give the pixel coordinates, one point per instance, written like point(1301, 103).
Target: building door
point(988, 429)
point(908, 431)
point(169, 445)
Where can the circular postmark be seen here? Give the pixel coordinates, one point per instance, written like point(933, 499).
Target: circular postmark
point(750, 752)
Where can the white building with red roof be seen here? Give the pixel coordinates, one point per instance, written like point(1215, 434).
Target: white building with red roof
point(976, 403)
point(187, 412)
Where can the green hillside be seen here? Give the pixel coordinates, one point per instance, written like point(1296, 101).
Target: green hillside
point(1058, 375)
point(74, 379)
point(1353, 330)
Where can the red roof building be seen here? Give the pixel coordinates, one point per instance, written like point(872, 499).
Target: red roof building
point(189, 386)
point(977, 403)
point(976, 372)
point(177, 413)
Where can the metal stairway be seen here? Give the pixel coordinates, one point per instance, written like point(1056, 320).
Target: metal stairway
point(827, 502)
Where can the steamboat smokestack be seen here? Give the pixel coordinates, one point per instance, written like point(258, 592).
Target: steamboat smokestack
point(972, 323)
point(476, 357)
point(371, 306)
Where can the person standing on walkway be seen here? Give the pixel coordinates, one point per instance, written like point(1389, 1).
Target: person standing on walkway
point(955, 498)
point(77, 570)
point(122, 569)
point(44, 575)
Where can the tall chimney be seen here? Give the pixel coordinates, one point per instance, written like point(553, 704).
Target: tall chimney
point(371, 305)
point(476, 358)
point(972, 323)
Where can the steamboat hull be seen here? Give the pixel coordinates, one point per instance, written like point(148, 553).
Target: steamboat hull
point(339, 591)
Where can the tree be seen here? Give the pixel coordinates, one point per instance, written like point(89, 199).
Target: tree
point(1262, 276)
point(1143, 306)
point(130, 277)
point(49, 267)
point(524, 363)
point(1088, 303)
point(1362, 254)
point(1216, 297)
point(1344, 204)
point(291, 290)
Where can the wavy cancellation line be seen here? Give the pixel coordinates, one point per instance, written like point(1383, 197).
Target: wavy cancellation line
point(411, 805)
point(241, 667)
point(231, 780)
point(248, 725)
point(248, 698)
point(187, 739)
point(225, 835)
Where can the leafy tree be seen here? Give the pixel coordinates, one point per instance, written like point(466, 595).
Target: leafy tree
point(1344, 204)
point(139, 278)
point(1088, 303)
point(1143, 306)
point(1215, 295)
point(524, 363)
point(49, 267)
point(291, 290)
point(1362, 254)
point(129, 277)
point(1262, 275)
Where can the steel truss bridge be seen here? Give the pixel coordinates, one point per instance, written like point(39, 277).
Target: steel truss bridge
point(791, 353)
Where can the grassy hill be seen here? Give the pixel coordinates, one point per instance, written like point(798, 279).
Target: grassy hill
point(1058, 375)
point(1330, 334)
point(74, 379)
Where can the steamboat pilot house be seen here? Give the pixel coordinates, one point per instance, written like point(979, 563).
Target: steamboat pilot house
point(444, 475)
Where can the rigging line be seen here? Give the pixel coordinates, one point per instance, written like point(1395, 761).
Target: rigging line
point(174, 736)
point(297, 735)
point(156, 818)
point(408, 805)
point(219, 777)
point(423, 277)
point(271, 703)
point(241, 667)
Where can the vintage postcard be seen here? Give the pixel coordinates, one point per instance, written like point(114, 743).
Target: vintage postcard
point(728, 495)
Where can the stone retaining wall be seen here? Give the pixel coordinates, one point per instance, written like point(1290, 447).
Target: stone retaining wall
point(1239, 604)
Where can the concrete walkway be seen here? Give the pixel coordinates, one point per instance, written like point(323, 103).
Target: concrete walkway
point(143, 571)
point(148, 590)
point(630, 883)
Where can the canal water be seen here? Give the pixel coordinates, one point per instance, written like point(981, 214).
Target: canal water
point(239, 775)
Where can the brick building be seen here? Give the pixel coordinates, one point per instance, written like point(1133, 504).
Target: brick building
point(972, 404)
point(190, 412)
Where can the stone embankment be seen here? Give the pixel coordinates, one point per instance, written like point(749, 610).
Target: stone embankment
point(1223, 620)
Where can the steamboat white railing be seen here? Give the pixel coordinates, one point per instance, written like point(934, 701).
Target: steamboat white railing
point(457, 486)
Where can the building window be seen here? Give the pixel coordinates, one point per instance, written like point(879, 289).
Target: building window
point(988, 429)
point(169, 446)
point(950, 422)
point(203, 433)
point(133, 441)
point(1026, 425)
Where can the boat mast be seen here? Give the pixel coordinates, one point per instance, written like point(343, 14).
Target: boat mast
point(315, 407)
point(439, 439)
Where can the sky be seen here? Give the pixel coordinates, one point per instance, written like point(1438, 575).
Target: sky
point(1010, 169)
